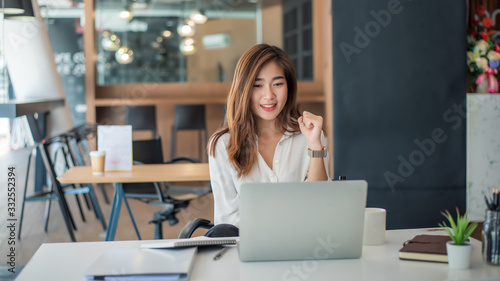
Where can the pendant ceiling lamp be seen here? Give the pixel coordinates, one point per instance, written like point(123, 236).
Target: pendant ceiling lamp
point(198, 16)
point(110, 41)
point(167, 33)
point(11, 7)
point(124, 55)
point(186, 28)
point(187, 46)
point(126, 14)
point(27, 15)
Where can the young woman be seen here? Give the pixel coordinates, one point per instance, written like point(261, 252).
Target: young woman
point(264, 139)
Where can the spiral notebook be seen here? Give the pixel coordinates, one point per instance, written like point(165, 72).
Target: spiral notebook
point(191, 242)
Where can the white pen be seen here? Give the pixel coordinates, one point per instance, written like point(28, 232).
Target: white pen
point(220, 253)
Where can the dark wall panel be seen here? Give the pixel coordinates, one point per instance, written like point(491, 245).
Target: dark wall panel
point(399, 94)
point(67, 44)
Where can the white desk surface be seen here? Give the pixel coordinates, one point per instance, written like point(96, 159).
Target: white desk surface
point(67, 261)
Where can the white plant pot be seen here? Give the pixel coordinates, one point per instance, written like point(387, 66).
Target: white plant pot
point(458, 255)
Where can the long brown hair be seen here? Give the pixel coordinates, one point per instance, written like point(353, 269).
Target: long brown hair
point(240, 121)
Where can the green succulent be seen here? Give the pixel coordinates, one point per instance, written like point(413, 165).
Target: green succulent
point(462, 229)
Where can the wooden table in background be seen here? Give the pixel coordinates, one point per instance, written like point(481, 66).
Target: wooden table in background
point(140, 173)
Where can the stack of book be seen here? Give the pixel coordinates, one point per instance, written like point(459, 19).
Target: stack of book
point(425, 248)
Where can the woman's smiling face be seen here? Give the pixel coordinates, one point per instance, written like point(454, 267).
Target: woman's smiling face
point(269, 92)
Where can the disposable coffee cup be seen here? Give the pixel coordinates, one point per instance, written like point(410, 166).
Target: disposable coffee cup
point(97, 159)
point(374, 228)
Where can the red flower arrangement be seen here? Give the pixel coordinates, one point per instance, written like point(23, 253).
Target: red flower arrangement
point(483, 53)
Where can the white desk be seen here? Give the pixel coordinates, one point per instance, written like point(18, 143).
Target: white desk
point(67, 261)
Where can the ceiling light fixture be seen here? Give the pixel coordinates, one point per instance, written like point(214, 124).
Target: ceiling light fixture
point(126, 14)
point(186, 28)
point(124, 55)
point(110, 41)
point(198, 16)
point(187, 46)
point(167, 33)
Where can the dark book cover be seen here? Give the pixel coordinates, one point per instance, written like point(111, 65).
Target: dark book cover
point(425, 248)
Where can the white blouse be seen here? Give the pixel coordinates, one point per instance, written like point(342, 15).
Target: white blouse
point(290, 164)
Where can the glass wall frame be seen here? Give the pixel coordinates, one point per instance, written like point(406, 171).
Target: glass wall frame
point(155, 92)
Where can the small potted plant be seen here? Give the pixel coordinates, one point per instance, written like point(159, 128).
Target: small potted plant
point(458, 249)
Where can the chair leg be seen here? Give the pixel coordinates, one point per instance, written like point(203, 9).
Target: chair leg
point(132, 218)
point(158, 230)
point(65, 154)
point(115, 212)
point(77, 186)
point(173, 143)
point(66, 164)
point(68, 219)
point(47, 213)
point(158, 221)
point(95, 206)
point(205, 141)
point(76, 161)
point(82, 215)
point(24, 195)
point(58, 191)
point(70, 216)
point(106, 199)
point(200, 139)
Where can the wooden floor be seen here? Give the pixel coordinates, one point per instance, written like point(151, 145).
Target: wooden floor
point(33, 234)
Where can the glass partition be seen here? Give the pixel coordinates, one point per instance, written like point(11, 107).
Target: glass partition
point(171, 40)
point(64, 24)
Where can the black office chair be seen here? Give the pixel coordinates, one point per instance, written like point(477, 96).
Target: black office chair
point(72, 147)
point(142, 118)
point(80, 149)
point(189, 117)
point(168, 196)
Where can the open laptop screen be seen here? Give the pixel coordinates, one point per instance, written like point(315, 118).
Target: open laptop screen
point(305, 220)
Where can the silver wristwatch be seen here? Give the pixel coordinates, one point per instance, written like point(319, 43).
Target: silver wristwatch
point(317, 153)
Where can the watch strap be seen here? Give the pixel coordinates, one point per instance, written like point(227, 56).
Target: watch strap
point(317, 153)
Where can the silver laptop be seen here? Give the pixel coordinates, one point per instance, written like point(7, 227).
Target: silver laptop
point(306, 220)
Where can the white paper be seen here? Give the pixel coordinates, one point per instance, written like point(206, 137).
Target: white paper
point(116, 141)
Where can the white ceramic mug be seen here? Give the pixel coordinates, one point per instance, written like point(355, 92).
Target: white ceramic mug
point(374, 228)
point(97, 160)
